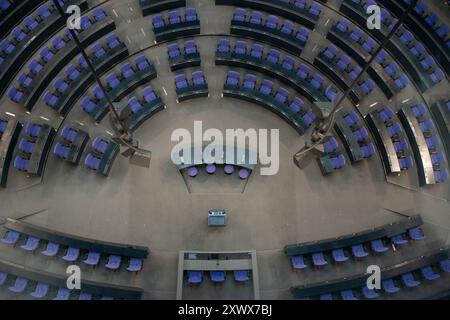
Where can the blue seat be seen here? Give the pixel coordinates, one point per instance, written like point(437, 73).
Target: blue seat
point(33, 129)
point(288, 63)
point(100, 145)
point(24, 80)
point(368, 150)
point(367, 86)
point(99, 13)
point(356, 34)
point(92, 258)
point(437, 76)
point(11, 237)
point(233, 78)
point(40, 291)
point(18, 34)
point(134, 104)
point(195, 277)
point(287, 27)
point(135, 265)
point(355, 72)
point(273, 56)
point(369, 45)
point(126, 70)
point(3, 278)
point(331, 51)
point(302, 34)
point(399, 239)
point(241, 275)
point(92, 162)
point(43, 12)
point(369, 293)
point(442, 31)
point(331, 93)
point(142, 62)
point(401, 82)
point(296, 105)
point(431, 19)
point(6, 46)
point(361, 134)
point(61, 151)
point(317, 81)
point(69, 134)
point(344, 62)
point(445, 265)
point(428, 62)
point(338, 162)
point(339, 255)
point(112, 80)
point(394, 129)
point(348, 295)
point(223, 46)
point(113, 262)
point(272, 22)
point(72, 72)
point(406, 163)
point(158, 22)
point(62, 294)
point(343, 24)
point(256, 17)
point(429, 274)
point(298, 262)
point(190, 47)
point(418, 50)
point(72, 254)
point(26, 146)
point(85, 23)
point(249, 81)
point(3, 125)
point(34, 66)
point(85, 296)
point(416, 233)
point(60, 85)
point(239, 15)
point(319, 259)
point(174, 17)
point(351, 119)
point(21, 163)
point(240, 47)
point(181, 81)
point(112, 41)
point(31, 244)
point(282, 95)
point(389, 286)
point(173, 50)
point(148, 94)
point(19, 285)
point(51, 250)
point(315, 9)
point(409, 280)
point(198, 78)
point(97, 50)
point(217, 276)
point(87, 104)
point(330, 145)
point(266, 87)
point(441, 175)
point(30, 22)
point(326, 297)
point(257, 50)
point(359, 251)
point(303, 71)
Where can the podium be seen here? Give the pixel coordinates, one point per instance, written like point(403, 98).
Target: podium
point(217, 218)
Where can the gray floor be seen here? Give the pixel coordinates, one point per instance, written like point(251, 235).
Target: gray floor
point(153, 207)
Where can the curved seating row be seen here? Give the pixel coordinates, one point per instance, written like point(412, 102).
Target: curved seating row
point(76, 77)
point(43, 284)
point(118, 85)
point(353, 132)
point(196, 277)
point(427, 147)
point(101, 156)
point(43, 68)
point(403, 46)
point(343, 72)
point(391, 140)
point(294, 110)
point(441, 112)
point(195, 88)
point(33, 148)
point(388, 231)
point(28, 36)
point(298, 11)
point(9, 135)
point(71, 144)
point(427, 26)
point(394, 279)
point(154, 6)
point(287, 69)
point(211, 168)
point(190, 57)
point(174, 26)
point(138, 110)
point(54, 241)
point(14, 11)
point(285, 34)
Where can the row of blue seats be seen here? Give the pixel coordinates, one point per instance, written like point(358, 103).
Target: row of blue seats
point(75, 70)
point(72, 254)
point(174, 18)
point(196, 277)
point(26, 146)
point(398, 137)
point(94, 158)
point(429, 130)
point(314, 8)
point(37, 64)
point(185, 57)
point(432, 19)
point(266, 88)
point(407, 281)
point(424, 60)
point(90, 102)
point(332, 158)
point(345, 64)
point(287, 28)
point(68, 137)
point(197, 86)
point(288, 63)
point(319, 259)
point(360, 133)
